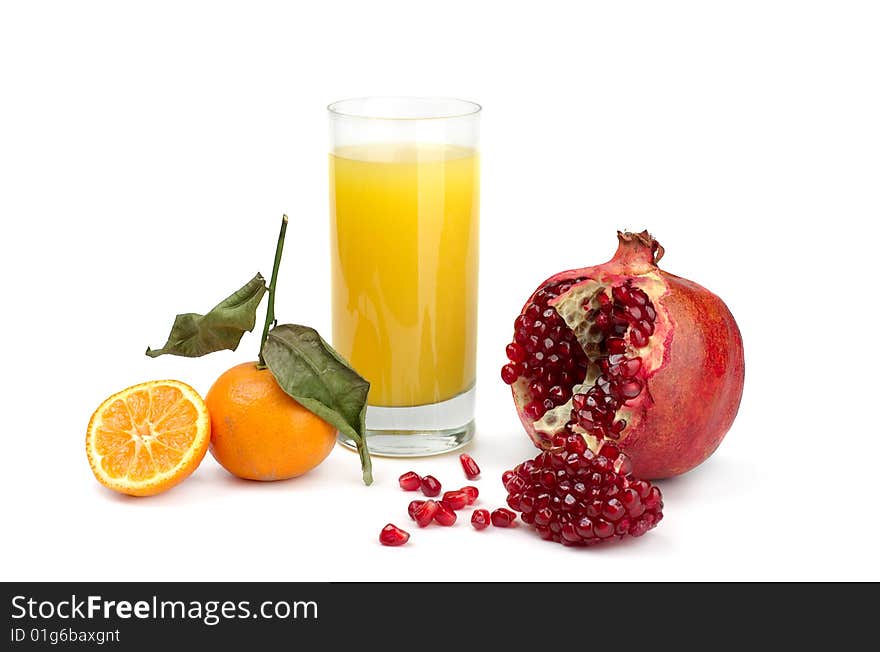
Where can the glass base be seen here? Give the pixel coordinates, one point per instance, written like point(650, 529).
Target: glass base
point(421, 430)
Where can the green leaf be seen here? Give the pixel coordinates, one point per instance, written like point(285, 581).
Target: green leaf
point(194, 335)
point(309, 370)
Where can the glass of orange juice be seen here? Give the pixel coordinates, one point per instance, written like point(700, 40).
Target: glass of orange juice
point(404, 230)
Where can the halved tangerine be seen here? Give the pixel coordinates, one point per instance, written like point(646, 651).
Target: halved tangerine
point(149, 437)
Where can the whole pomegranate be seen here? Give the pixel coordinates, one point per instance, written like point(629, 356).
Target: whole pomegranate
point(629, 353)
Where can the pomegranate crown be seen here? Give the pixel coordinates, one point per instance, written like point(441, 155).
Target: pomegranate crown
point(638, 250)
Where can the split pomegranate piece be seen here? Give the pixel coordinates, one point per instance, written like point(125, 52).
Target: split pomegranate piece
point(471, 469)
point(444, 515)
point(391, 535)
point(430, 486)
point(480, 519)
point(503, 517)
point(455, 500)
point(410, 481)
point(576, 497)
point(423, 514)
point(628, 353)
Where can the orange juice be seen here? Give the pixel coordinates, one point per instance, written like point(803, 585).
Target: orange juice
point(404, 232)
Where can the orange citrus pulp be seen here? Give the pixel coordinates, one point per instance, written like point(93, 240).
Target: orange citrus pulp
point(149, 437)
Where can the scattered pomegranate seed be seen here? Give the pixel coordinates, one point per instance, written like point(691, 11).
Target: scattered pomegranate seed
point(455, 500)
point(425, 512)
point(472, 493)
point(503, 517)
point(411, 510)
point(410, 481)
point(391, 535)
point(480, 519)
point(431, 486)
point(444, 515)
point(471, 470)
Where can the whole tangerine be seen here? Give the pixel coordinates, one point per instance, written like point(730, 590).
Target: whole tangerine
point(258, 432)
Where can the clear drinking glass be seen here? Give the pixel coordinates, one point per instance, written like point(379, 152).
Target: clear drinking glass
point(404, 229)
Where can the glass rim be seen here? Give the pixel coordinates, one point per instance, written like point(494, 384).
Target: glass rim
point(469, 108)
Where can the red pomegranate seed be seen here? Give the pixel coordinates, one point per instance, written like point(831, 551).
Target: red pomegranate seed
point(613, 510)
point(537, 390)
point(480, 519)
point(472, 494)
point(515, 353)
point(513, 500)
point(575, 444)
point(569, 535)
point(391, 535)
point(515, 483)
point(410, 481)
point(584, 528)
point(626, 367)
point(629, 389)
point(534, 410)
point(602, 529)
point(637, 297)
point(431, 486)
point(543, 516)
point(444, 515)
point(609, 450)
point(455, 500)
point(653, 499)
point(503, 517)
point(558, 394)
point(615, 345)
point(641, 487)
point(471, 470)
point(638, 338)
point(532, 345)
point(413, 506)
point(509, 374)
point(633, 504)
point(507, 475)
point(425, 512)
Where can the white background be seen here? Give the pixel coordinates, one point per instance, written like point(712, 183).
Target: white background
point(147, 151)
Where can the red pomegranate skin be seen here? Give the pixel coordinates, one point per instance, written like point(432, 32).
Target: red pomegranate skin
point(696, 393)
point(694, 365)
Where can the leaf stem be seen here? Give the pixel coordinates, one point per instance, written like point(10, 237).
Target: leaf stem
point(270, 308)
point(366, 463)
